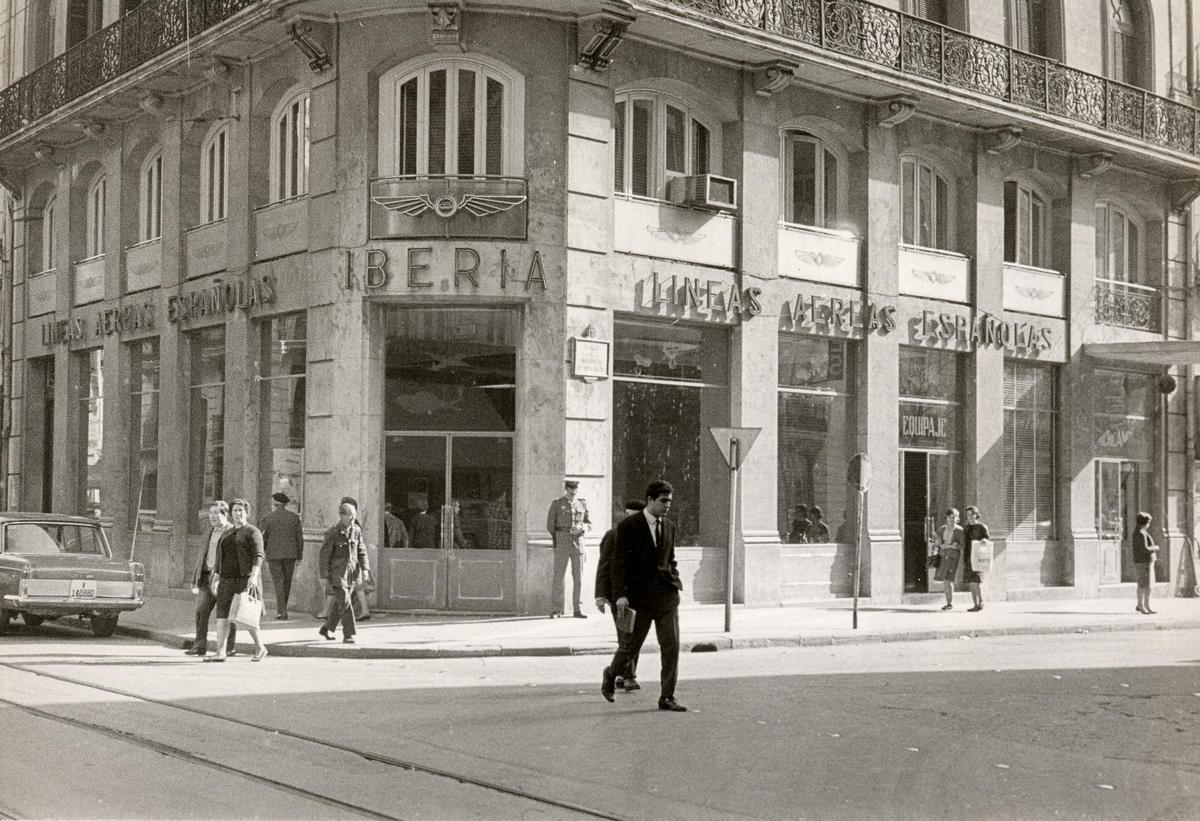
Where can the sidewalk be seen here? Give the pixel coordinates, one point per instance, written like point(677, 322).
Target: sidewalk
point(405, 635)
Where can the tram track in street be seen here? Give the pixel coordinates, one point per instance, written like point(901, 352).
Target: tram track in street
point(321, 798)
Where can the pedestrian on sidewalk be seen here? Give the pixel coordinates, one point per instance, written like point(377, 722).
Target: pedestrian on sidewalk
point(1145, 552)
point(626, 677)
point(204, 580)
point(343, 563)
point(567, 521)
point(283, 543)
point(646, 577)
point(975, 531)
point(950, 549)
point(240, 559)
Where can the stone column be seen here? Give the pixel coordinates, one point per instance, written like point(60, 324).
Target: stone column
point(879, 374)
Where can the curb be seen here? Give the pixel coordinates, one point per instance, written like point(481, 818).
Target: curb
point(700, 644)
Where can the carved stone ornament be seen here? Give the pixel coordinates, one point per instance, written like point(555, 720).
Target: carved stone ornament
point(1183, 192)
point(1093, 165)
point(896, 110)
point(446, 19)
point(1001, 140)
point(219, 73)
point(43, 151)
point(94, 129)
point(301, 33)
point(154, 105)
point(10, 183)
point(773, 77)
point(608, 30)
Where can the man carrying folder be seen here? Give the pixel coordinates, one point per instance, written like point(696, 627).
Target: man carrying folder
point(644, 575)
point(626, 677)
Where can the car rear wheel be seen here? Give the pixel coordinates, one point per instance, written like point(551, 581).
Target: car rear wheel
point(104, 626)
point(32, 620)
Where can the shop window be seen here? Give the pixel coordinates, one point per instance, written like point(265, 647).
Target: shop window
point(1123, 405)
point(214, 176)
point(144, 369)
point(97, 206)
point(282, 392)
point(89, 391)
point(813, 185)
point(206, 437)
point(659, 137)
point(1118, 246)
point(48, 260)
point(671, 384)
point(1030, 443)
point(150, 201)
point(290, 147)
point(817, 436)
point(926, 205)
point(449, 117)
point(1026, 226)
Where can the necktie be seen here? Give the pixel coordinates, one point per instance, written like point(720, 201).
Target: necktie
point(658, 532)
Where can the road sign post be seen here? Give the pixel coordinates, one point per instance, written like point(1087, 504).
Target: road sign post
point(734, 444)
point(858, 473)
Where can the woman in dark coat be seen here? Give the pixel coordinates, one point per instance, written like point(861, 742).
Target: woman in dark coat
point(1145, 551)
point(240, 558)
point(975, 531)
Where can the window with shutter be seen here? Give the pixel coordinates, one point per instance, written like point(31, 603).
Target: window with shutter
point(1118, 246)
point(150, 222)
point(932, 10)
point(926, 205)
point(813, 183)
point(1125, 46)
point(214, 175)
point(48, 234)
point(1026, 225)
point(659, 137)
point(96, 207)
point(1030, 423)
point(290, 148)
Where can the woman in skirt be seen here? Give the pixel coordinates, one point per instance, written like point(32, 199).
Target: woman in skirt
point(975, 531)
point(950, 550)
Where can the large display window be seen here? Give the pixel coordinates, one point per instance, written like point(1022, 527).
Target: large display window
point(670, 385)
point(206, 467)
point(817, 436)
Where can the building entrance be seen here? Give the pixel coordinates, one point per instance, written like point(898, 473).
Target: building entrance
point(452, 492)
point(1120, 487)
point(927, 490)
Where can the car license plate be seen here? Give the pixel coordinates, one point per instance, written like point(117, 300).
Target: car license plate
point(83, 589)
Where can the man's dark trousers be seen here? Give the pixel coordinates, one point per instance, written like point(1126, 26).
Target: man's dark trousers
point(341, 610)
point(281, 576)
point(205, 602)
point(665, 615)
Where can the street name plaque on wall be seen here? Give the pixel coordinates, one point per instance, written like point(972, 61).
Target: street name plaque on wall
point(589, 358)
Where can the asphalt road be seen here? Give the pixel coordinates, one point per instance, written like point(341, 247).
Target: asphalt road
point(1102, 725)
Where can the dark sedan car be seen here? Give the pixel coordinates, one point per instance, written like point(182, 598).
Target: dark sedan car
point(53, 565)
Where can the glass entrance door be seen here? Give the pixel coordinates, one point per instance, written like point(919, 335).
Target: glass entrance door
point(1119, 487)
point(453, 493)
point(927, 491)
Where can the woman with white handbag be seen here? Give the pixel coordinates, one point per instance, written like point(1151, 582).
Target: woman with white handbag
point(240, 558)
point(977, 555)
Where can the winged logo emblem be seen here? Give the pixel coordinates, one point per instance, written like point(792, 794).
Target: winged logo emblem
point(935, 277)
point(1032, 293)
point(446, 206)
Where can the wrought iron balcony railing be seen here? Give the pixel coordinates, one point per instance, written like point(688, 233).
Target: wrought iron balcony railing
point(917, 47)
point(1128, 305)
point(151, 29)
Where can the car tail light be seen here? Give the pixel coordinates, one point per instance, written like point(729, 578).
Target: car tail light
point(23, 586)
point(139, 578)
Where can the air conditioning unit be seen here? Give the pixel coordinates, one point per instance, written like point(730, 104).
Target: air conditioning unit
point(704, 191)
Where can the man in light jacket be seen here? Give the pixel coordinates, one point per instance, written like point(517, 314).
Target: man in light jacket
point(204, 580)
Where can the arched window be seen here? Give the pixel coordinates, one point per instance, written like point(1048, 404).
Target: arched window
point(1125, 42)
point(1026, 225)
point(1118, 245)
point(96, 208)
point(813, 180)
point(214, 175)
point(926, 206)
point(289, 147)
point(48, 262)
point(659, 137)
point(452, 117)
point(150, 200)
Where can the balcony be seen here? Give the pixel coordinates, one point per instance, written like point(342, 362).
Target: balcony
point(155, 27)
point(1128, 305)
point(445, 207)
point(918, 49)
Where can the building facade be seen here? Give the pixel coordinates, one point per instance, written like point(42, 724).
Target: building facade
point(443, 255)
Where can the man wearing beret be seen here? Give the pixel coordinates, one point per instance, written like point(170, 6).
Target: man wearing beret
point(283, 542)
point(567, 521)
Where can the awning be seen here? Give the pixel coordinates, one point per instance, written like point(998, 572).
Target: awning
point(1160, 352)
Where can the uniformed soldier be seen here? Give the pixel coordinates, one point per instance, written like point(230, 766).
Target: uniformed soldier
point(567, 522)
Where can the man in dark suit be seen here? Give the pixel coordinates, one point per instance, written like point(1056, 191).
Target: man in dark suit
point(646, 577)
point(627, 677)
point(283, 541)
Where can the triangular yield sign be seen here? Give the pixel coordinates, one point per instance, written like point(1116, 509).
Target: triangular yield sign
point(745, 437)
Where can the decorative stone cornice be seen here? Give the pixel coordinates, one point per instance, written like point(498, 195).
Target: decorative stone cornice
point(773, 77)
point(1183, 192)
point(13, 183)
point(219, 73)
point(608, 30)
point(302, 35)
point(1003, 139)
point(895, 110)
point(447, 17)
point(1093, 165)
